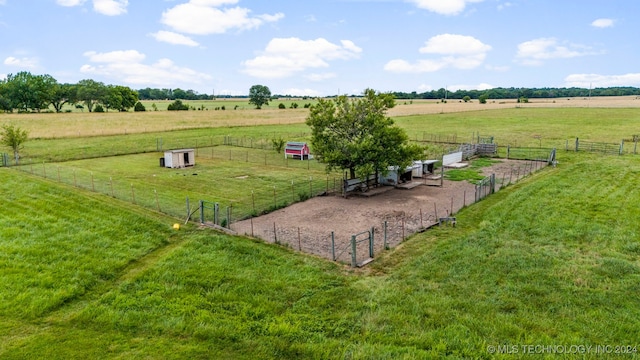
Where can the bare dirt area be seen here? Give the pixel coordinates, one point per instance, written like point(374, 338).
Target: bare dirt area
point(308, 226)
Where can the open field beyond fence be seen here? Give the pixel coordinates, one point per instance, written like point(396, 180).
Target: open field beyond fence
point(550, 260)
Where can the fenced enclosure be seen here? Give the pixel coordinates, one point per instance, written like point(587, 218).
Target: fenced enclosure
point(324, 226)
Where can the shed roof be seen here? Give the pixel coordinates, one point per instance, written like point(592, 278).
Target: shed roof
point(179, 151)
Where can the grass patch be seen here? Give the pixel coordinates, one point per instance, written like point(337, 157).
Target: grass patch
point(472, 173)
point(57, 244)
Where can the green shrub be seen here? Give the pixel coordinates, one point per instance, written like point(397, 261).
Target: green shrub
point(177, 106)
point(98, 109)
point(139, 107)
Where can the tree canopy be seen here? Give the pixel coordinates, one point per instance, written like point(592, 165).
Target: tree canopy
point(356, 134)
point(259, 95)
point(14, 137)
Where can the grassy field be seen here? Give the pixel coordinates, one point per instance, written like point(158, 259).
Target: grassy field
point(552, 260)
point(478, 117)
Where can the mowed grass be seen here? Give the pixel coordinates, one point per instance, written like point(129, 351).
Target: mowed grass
point(552, 260)
point(251, 181)
point(534, 127)
point(57, 244)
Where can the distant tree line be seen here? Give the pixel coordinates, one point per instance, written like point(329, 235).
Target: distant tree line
point(171, 94)
point(518, 93)
point(25, 92)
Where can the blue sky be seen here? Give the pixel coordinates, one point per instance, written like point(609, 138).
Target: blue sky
point(321, 48)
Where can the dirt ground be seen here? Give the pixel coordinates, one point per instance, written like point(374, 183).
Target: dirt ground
point(307, 226)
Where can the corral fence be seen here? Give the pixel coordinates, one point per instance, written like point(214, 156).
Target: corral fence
point(598, 147)
point(486, 187)
point(4, 159)
point(531, 153)
point(481, 149)
point(382, 233)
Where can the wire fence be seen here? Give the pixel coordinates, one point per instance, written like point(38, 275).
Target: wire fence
point(319, 236)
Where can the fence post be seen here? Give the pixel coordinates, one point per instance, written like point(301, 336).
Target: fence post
point(275, 234)
point(201, 212)
point(385, 244)
point(333, 246)
point(188, 209)
point(353, 251)
point(229, 216)
point(621, 147)
point(493, 183)
point(371, 242)
point(508, 151)
point(216, 214)
point(577, 144)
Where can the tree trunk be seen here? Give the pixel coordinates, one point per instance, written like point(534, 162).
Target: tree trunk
point(352, 173)
point(17, 156)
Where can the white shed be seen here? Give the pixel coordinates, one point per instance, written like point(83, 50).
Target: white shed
point(177, 159)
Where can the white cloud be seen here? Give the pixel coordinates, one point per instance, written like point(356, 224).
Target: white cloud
point(110, 7)
point(534, 52)
point(320, 77)
point(104, 7)
point(444, 7)
point(120, 56)
point(286, 57)
point(174, 38)
point(458, 51)
point(26, 63)
point(127, 66)
point(596, 80)
point(70, 2)
point(603, 23)
point(204, 17)
point(497, 68)
point(504, 6)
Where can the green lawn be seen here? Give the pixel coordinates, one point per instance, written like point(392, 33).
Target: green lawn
point(552, 260)
point(535, 127)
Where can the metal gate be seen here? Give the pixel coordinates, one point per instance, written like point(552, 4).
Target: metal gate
point(362, 248)
point(210, 213)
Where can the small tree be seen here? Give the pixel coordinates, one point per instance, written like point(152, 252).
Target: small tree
point(259, 95)
point(139, 107)
point(177, 105)
point(466, 98)
point(483, 98)
point(13, 137)
point(278, 144)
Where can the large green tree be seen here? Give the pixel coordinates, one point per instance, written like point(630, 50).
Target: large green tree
point(356, 135)
point(26, 91)
point(91, 92)
point(63, 94)
point(120, 98)
point(14, 137)
point(259, 95)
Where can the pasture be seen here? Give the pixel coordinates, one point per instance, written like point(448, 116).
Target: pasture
point(552, 260)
